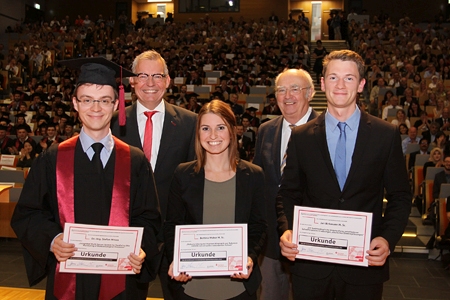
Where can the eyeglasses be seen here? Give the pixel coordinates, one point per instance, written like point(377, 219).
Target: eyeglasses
point(293, 90)
point(90, 102)
point(158, 77)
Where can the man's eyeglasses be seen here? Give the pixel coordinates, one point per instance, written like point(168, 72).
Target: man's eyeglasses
point(90, 102)
point(158, 77)
point(293, 90)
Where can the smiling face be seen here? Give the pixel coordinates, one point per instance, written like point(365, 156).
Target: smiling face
point(214, 135)
point(341, 85)
point(95, 117)
point(293, 106)
point(437, 156)
point(150, 92)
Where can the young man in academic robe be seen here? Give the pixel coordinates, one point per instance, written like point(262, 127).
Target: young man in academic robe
point(92, 178)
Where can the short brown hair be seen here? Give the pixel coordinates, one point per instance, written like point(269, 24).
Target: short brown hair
point(345, 55)
point(224, 111)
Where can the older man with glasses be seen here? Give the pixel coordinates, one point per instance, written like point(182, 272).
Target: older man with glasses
point(163, 131)
point(294, 91)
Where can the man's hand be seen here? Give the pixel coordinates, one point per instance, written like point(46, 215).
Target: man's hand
point(61, 249)
point(288, 249)
point(379, 251)
point(136, 261)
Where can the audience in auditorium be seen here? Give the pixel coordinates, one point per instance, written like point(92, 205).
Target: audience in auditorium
point(404, 64)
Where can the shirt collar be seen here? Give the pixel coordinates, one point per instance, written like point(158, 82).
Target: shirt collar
point(140, 109)
point(352, 122)
point(302, 121)
point(87, 141)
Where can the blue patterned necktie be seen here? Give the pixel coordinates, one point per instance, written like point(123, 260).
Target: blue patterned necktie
point(340, 156)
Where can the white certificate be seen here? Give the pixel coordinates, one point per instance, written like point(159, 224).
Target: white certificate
point(210, 250)
point(101, 249)
point(335, 236)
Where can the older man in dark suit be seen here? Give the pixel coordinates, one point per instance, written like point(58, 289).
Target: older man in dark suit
point(165, 132)
point(294, 89)
point(345, 160)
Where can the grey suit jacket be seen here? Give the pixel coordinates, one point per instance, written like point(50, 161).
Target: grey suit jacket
point(176, 146)
point(267, 156)
point(377, 170)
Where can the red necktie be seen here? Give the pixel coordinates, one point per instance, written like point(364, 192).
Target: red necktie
point(148, 134)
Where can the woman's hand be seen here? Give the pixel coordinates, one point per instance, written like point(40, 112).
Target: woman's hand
point(136, 261)
point(24, 153)
point(249, 271)
point(182, 277)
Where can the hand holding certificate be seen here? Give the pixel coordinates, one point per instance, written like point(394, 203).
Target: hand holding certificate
point(102, 249)
point(210, 250)
point(335, 236)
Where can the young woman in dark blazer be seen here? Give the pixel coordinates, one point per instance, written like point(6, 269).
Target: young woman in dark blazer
point(217, 188)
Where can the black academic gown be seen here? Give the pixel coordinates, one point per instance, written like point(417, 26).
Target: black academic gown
point(36, 220)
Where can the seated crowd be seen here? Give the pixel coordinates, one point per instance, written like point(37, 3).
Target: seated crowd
point(407, 72)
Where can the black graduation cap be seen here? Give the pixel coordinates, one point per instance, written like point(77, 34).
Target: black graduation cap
point(41, 118)
point(58, 95)
point(270, 96)
point(21, 126)
point(5, 119)
point(218, 95)
point(3, 127)
point(20, 115)
point(193, 94)
point(99, 70)
point(251, 108)
point(64, 116)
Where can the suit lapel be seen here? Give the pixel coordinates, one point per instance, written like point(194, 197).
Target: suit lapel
point(171, 122)
point(132, 127)
point(276, 146)
point(362, 140)
point(242, 184)
point(313, 115)
point(321, 140)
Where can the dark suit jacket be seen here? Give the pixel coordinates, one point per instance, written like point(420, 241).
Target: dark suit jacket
point(377, 170)
point(440, 121)
point(267, 156)
point(5, 144)
point(427, 135)
point(439, 179)
point(176, 146)
point(412, 159)
point(186, 207)
point(245, 148)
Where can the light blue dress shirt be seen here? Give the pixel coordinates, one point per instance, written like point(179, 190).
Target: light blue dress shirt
point(108, 146)
point(332, 133)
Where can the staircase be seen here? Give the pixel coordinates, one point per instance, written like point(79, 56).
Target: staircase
point(415, 238)
point(319, 101)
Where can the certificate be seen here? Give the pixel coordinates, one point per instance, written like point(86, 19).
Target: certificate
point(335, 236)
point(210, 250)
point(101, 249)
